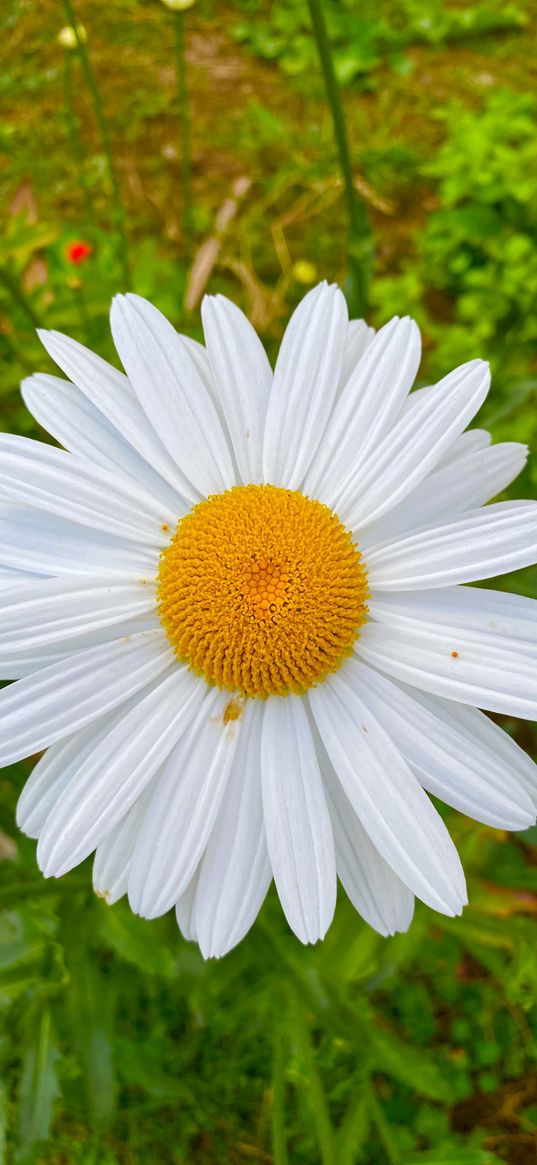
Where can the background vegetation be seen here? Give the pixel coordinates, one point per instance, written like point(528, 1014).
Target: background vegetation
point(118, 1044)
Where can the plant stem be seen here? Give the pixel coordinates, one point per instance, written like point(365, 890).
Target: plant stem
point(184, 118)
point(16, 355)
point(81, 306)
point(360, 240)
point(74, 139)
point(87, 70)
point(16, 292)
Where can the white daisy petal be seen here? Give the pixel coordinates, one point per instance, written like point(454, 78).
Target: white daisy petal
point(488, 612)
point(469, 442)
point(235, 871)
point(54, 771)
point(305, 384)
point(50, 544)
point(447, 761)
point(481, 731)
point(113, 855)
point(242, 377)
point(51, 703)
point(185, 913)
point(109, 390)
point(77, 424)
point(60, 483)
point(172, 394)
point(394, 810)
point(297, 822)
point(10, 576)
point(413, 447)
point(367, 407)
point(47, 781)
point(470, 666)
point(19, 662)
point(49, 611)
point(418, 396)
point(200, 356)
point(116, 772)
point(357, 340)
point(465, 484)
point(480, 544)
point(183, 811)
point(370, 883)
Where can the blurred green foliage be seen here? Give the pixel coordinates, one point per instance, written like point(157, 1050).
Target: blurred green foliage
point(478, 247)
point(364, 37)
point(360, 1050)
point(118, 1044)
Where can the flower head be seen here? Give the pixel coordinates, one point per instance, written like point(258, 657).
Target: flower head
point(178, 5)
point(69, 37)
point(78, 251)
point(304, 271)
point(235, 609)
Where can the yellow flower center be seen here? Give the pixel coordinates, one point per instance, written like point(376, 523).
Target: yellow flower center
point(262, 591)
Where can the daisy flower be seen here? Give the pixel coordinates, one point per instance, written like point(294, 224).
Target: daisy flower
point(234, 608)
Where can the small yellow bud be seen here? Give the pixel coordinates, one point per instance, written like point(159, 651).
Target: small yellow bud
point(67, 36)
point(179, 5)
point(304, 271)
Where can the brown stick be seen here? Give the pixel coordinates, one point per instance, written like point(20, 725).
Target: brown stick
point(208, 253)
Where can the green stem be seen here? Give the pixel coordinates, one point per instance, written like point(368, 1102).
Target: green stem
point(184, 118)
point(82, 308)
point(74, 138)
point(360, 240)
point(105, 139)
point(16, 355)
point(16, 292)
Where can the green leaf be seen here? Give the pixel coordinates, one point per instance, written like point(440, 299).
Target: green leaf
point(132, 938)
point(354, 1128)
point(409, 1065)
point(88, 1018)
point(385, 1131)
point(457, 1157)
point(23, 239)
point(312, 1085)
point(38, 1089)
point(279, 1136)
point(3, 1124)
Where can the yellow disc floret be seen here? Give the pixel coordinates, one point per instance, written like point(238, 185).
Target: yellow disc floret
point(262, 591)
